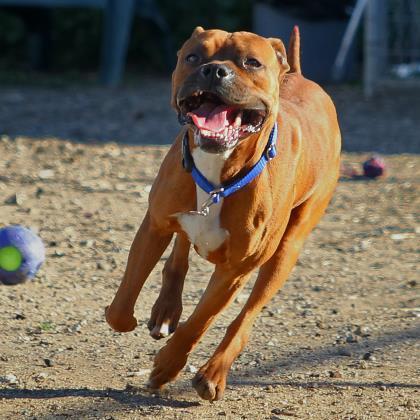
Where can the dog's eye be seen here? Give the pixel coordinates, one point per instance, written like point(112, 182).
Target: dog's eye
point(192, 58)
point(252, 62)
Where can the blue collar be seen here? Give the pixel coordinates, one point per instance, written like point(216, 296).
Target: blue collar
point(226, 189)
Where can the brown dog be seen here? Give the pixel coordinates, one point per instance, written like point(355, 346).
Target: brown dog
point(230, 89)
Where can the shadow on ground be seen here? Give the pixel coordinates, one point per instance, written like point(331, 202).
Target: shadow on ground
point(112, 399)
point(315, 357)
point(106, 401)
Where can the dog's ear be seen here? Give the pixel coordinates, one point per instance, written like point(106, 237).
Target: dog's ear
point(173, 93)
point(197, 31)
point(280, 50)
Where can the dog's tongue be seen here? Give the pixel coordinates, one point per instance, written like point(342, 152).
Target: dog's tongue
point(211, 117)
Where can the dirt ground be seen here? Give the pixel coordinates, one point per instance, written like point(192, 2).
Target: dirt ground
point(339, 341)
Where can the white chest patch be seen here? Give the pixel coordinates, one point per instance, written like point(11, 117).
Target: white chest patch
point(205, 231)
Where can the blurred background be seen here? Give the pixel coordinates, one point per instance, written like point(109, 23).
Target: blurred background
point(367, 53)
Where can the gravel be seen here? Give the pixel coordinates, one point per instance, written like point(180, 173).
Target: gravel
point(340, 341)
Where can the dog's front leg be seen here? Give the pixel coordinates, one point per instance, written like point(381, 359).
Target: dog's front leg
point(222, 288)
point(168, 307)
point(147, 248)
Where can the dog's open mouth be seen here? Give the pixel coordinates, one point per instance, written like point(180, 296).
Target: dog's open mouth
point(218, 123)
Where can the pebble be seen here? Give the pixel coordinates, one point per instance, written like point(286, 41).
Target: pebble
point(282, 412)
point(192, 369)
point(365, 244)
point(351, 339)
point(335, 374)
point(46, 174)
point(49, 362)
point(76, 327)
point(410, 404)
point(39, 192)
point(369, 356)
point(8, 379)
point(363, 364)
point(102, 265)
point(16, 199)
point(362, 331)
point(398, 236)
point(87, 242)
point(41, 376)
point(140, 372)
point(129, 226)
point(242, 298)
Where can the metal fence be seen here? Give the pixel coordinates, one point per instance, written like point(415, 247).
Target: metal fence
point(392, 42)
point(404, 34)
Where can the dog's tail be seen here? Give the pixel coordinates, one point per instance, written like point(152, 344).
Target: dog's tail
point(293, 54)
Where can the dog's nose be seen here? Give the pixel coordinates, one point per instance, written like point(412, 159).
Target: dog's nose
point(216, 72)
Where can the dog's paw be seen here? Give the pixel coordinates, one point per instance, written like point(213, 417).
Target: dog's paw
point(167, 366)
point(164, 317)
point(210, 383)
point(118, 321)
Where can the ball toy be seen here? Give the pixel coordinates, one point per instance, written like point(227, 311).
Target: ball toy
point(21, 254)
point(374, 167)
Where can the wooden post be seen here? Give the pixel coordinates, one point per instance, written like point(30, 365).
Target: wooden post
point(375, 51)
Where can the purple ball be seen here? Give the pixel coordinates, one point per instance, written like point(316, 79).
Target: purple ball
point(27, 249)
point(374, 167)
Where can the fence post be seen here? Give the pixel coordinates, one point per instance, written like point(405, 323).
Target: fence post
point(375, 50)
point(118, 15)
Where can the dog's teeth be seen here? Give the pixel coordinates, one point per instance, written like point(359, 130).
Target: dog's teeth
point(238, 120)
point(229, 135)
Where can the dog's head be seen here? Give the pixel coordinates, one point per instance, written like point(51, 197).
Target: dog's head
point(226, 85)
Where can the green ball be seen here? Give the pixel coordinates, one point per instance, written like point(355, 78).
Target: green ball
point(10, 258)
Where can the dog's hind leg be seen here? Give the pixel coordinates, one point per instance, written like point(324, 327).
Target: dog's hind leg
point(147, 248)
point(210, 380)
point(168, 307)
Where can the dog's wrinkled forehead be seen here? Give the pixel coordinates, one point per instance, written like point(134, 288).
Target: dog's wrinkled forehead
point(216, 44)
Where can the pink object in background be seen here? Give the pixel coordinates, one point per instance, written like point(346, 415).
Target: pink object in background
point(374, 167)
